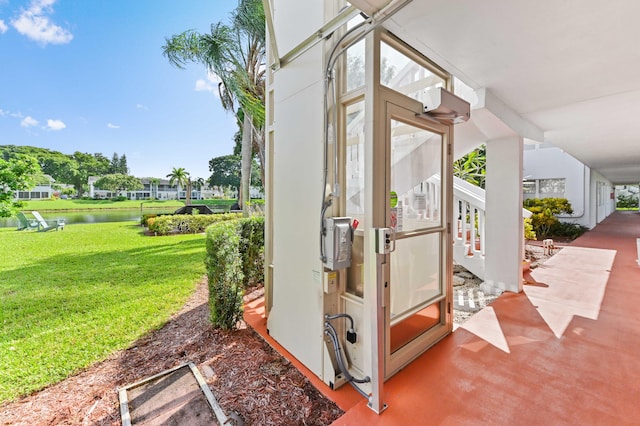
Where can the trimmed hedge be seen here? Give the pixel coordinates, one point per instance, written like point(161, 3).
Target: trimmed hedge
point(186, 223)
point(224, 271)
point(234, 261)
point(252, 249)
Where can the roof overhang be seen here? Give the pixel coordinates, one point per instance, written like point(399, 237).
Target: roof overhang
point(570, 69)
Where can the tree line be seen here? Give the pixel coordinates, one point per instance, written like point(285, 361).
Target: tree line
point(72, 169)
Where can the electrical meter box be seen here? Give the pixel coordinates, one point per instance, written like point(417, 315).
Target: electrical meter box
point(337, 243)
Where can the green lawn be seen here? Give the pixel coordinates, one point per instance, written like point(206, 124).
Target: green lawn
point(44, 205)
point(70, 298)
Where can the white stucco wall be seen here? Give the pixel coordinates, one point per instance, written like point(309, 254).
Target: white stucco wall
point(553, 163)
point(294, 21)
point(600, 210)
point(296, 316)
point(580, 183)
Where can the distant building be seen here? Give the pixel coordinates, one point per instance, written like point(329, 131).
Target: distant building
point(161, 189)
point(43, 190)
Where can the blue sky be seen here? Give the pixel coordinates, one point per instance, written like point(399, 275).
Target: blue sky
point(89, 76)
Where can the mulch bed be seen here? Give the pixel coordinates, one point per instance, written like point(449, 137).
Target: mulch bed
point(246, 375)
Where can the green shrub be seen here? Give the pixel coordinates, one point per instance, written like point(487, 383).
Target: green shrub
point(234, 261)
point(545, 211)
point(186, 223)
point(567, 230)
point(145, 218)
point(119, 198)
point(224, 271)
point(529, 233)
point(627, 201)
point(252, 249)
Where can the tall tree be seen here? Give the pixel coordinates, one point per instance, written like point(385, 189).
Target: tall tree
point(118, 164)
point(236, 54)
point(18, 174)
point(118, 182)
point(115, 163)
point(88, 165)
point(72, 169)
point(122, 165)
point(180, 177)
point(225, 171)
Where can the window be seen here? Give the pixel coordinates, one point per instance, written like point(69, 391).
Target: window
point(355, 66)
point(555, 187)
point(543, 188)
point(403, 74)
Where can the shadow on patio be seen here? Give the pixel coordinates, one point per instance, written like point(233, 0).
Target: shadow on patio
point(565, 352)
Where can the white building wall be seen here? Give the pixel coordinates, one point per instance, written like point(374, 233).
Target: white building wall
point(294, 21)
point(296, 316)
point(602, 202)
point(581, 183)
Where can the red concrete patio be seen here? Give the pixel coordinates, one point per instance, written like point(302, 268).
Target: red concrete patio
point(566, 351)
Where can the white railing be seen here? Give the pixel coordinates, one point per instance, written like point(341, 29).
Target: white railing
point(469, 233)
point(468, 222)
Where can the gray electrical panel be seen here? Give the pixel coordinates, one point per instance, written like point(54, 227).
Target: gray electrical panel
point(337, 243)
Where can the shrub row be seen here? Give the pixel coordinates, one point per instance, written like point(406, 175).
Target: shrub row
point(144, 220)
point(186, 223)
point(234, 261)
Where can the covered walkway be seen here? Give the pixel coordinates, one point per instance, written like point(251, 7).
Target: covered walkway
point(565, 351)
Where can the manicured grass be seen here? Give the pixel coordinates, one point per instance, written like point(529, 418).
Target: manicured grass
point(70, 298)
point(44, 205)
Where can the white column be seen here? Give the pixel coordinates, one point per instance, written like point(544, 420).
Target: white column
point(504, 227)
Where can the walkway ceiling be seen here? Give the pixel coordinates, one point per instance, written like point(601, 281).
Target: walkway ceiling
point(570, 67)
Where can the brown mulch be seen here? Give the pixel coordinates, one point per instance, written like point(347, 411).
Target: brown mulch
point(247, 377)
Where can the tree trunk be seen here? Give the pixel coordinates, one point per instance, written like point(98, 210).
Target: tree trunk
point(187, 202)
point(246, 164)
point(258, 144)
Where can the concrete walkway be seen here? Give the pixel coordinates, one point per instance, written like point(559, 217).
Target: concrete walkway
point(569, 351)
point(566, 351)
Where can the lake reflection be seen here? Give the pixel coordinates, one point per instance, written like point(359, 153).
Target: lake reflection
point(87, 216)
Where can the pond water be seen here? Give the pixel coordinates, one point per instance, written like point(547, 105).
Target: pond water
point(88, 216)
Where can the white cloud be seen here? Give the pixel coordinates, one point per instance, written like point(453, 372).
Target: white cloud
point(203, 86)
point(3, 27)
point(35, 24)
point(29, 121)
point(55, 124)
point(112, 126)
point(140, 106)
point(7, 113)
point(210, 85)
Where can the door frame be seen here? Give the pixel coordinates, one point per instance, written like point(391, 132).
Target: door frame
point(396, 106)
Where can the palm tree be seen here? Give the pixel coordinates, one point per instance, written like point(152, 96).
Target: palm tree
point(154, 182)
point(236, 54)
point(199, 183)
point(180, 177)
